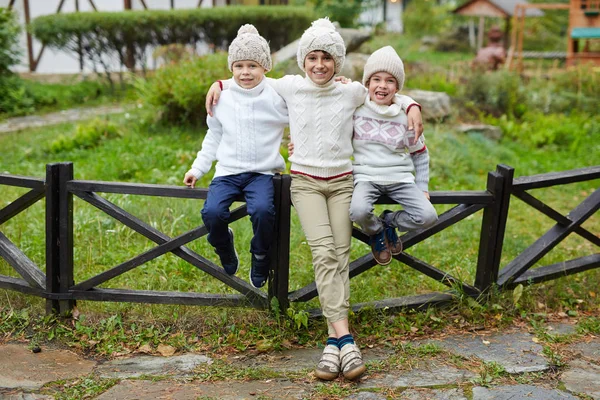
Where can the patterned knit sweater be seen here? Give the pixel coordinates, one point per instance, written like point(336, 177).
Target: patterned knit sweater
point(383, 151)
point(321, 123)
point(244, 133)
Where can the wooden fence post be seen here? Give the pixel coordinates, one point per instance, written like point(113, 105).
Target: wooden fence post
point(279, 284)
point(59, 237)
point(493, 226)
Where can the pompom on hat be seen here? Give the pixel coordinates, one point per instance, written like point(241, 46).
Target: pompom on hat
point(249, 45)
point(384, 60)
point(322, 36)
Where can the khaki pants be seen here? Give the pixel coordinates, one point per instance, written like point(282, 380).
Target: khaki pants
point(323, 208)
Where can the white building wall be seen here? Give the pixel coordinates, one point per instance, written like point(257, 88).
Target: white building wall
point(53, 62)
point(374, 15)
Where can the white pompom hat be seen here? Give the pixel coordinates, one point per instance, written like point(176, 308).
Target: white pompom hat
point(322, 36)
point(249, 45)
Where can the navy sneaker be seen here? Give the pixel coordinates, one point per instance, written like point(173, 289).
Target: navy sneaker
point(380, 248)
point(259, 271)
point(229, 257)
point(394, 242)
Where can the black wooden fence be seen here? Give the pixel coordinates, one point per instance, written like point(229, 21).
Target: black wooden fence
point(57, 285)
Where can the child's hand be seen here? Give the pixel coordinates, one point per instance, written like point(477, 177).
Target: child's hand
point(342, 79)
point(415, 122)
point(427, 195)
point(290, 149)
point(212, 97)
point(190, 180)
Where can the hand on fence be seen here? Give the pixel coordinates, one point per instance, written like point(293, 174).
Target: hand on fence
point(190, 180)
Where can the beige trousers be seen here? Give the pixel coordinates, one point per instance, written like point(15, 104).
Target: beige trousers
point(323, 208)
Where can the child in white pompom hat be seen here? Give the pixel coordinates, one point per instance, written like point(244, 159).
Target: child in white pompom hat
point(244, 137)
point(321, 112)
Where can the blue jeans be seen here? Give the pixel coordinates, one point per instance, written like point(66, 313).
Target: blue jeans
point(258, 192)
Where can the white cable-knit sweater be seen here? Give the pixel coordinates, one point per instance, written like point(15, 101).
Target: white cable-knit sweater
point(244, 133)
point(382, 152)
point(321, 123)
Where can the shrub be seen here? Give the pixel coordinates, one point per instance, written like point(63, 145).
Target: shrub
point(497, 93)
point(426, 18)
point(106, 36)
point(9, 40)
point(346, 12)
point(15, 99)
point(539, 129)
point(86, 136)
point(178, 91)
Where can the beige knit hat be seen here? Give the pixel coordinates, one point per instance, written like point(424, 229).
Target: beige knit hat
point(322, 36)
point(249, 45)
point(384, 60)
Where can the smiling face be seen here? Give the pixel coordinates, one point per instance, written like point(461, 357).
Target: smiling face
point(319, 67)
point(382, 88)
point(247, 73)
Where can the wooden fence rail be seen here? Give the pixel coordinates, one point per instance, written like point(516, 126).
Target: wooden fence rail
point(58, 287)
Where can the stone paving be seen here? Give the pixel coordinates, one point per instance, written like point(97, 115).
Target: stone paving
point(25, 375)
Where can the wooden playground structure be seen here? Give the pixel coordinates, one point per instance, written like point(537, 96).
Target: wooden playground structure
point(584, 24)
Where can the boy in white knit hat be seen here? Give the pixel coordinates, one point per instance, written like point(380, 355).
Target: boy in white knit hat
point(385, 151)
point(244, 138)
point(321, 112)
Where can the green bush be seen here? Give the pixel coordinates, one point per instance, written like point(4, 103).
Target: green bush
point(497, 93)
point(86, 136)
point(178, 91)
point(346, 12)
point(426, 18)
point(15, 99)
point(119, 35)
point(539, 129)
point(9, 40)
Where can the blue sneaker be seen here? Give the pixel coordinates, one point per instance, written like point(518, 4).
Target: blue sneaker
point(380, 248)
point(394, 242)
point(259, 271)
point(228, 256)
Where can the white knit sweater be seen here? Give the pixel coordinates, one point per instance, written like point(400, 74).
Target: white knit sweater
point(382, 153)
point(244, 133)
point(321, 123)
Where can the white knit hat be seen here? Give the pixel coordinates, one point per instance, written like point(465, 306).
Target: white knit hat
point(384, 60)
point(249, 45)
point(322, 36)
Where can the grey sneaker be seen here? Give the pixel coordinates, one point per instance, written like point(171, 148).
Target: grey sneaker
point(352, 364)
point(328, 367)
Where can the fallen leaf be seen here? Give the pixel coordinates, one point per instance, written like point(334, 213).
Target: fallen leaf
point(165, 350)
point(535, 340)
point(414, 329)
point(485, 342)
point(146, 348)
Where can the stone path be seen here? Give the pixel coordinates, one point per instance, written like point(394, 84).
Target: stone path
point(72, 115)
point(452, 374)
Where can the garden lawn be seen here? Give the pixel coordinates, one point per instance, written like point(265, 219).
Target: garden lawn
point(141, 153)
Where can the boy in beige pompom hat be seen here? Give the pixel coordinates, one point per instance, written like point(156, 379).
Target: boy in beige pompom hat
point(385, 151)
point(244, 137)
point(321, 112)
